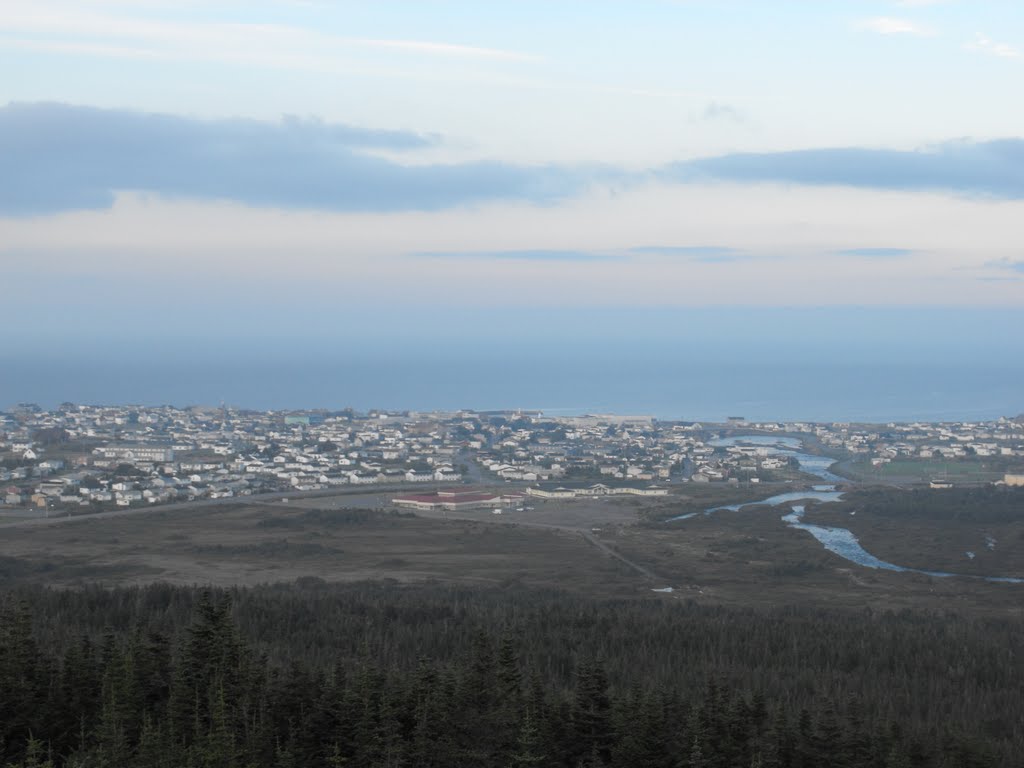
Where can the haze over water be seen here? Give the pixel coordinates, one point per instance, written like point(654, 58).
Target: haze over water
point(666, 388)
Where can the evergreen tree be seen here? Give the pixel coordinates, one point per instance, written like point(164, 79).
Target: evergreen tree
point(529, 751)
point(827, 740)
point(857, 748)
point(35, 756)
point(696, 758)
point(21, 684)
point(591, 713)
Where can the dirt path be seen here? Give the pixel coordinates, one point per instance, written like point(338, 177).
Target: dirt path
point(586, 535)
point(647, 574)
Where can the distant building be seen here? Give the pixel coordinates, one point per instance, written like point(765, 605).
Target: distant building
point(596, 490)
point(604, 419)
point(136, 453)
point(557, 493)
point(305, 419)
point(454, 500)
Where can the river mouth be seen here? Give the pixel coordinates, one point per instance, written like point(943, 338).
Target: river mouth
point(840, 541)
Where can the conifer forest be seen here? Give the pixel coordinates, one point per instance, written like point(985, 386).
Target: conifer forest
point(317, 675)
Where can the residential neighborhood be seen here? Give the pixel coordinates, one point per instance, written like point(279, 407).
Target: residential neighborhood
point(82, 457)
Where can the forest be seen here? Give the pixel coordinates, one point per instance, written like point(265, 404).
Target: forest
point(312, 674)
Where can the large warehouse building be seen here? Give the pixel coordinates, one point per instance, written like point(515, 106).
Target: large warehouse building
point(458, 500)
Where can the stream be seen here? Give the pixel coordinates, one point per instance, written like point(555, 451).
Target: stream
point(840, 541)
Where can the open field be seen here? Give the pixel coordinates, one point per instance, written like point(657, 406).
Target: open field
point(997, 549)
point(975, 531)
point(601, 546)
point(752, 557)
point(250, 544)
point(912, 471)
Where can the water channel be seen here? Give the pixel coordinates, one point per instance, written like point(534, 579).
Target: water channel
point(840, 541)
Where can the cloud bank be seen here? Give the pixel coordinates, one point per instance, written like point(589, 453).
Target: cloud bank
point(992, 168)
point(887, 25)
point(59, 157)
point(984, 44)
point(876, 253)
point(539, 254)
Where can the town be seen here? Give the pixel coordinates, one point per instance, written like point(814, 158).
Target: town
point(80, 458)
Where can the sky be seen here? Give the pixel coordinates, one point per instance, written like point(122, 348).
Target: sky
point(307, 173)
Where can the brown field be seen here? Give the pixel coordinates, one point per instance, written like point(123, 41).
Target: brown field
point(969, 470)
point(935, 544)
point(249, 544)
point(752, 557)
point(601, 547)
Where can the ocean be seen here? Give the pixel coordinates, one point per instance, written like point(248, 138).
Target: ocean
point(669, 385)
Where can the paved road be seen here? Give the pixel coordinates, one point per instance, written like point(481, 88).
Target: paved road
point(180, 506)
point(474, 475)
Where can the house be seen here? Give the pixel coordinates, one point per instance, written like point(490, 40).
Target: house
point(1014, 479)
point(557, 493)
point(447, 474)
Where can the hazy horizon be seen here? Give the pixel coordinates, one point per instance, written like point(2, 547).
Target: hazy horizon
point(311, 183)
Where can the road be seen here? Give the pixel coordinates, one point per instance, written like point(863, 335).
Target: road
point(473, 474)
point(180, 506)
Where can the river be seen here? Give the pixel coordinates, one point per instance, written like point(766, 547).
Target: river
point(840, 541)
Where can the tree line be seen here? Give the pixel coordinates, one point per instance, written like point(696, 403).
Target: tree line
point(322, 676)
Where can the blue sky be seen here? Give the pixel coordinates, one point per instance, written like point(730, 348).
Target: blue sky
point(596, 157)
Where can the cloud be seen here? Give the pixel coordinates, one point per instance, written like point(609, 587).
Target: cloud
point(1007, 264)
point(703, 253)
point(59, 157)
point(716, 110)
point(887, 25)
point(279, 45)
point(698, 253)
point(523, 255)
point(991, 168)
point(873, 253)
point(442, 49)
point(983, 44)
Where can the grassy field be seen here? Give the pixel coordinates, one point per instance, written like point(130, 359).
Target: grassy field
point(972, 470)
point(239, 544)
point(738, 558)
point(955, 546)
